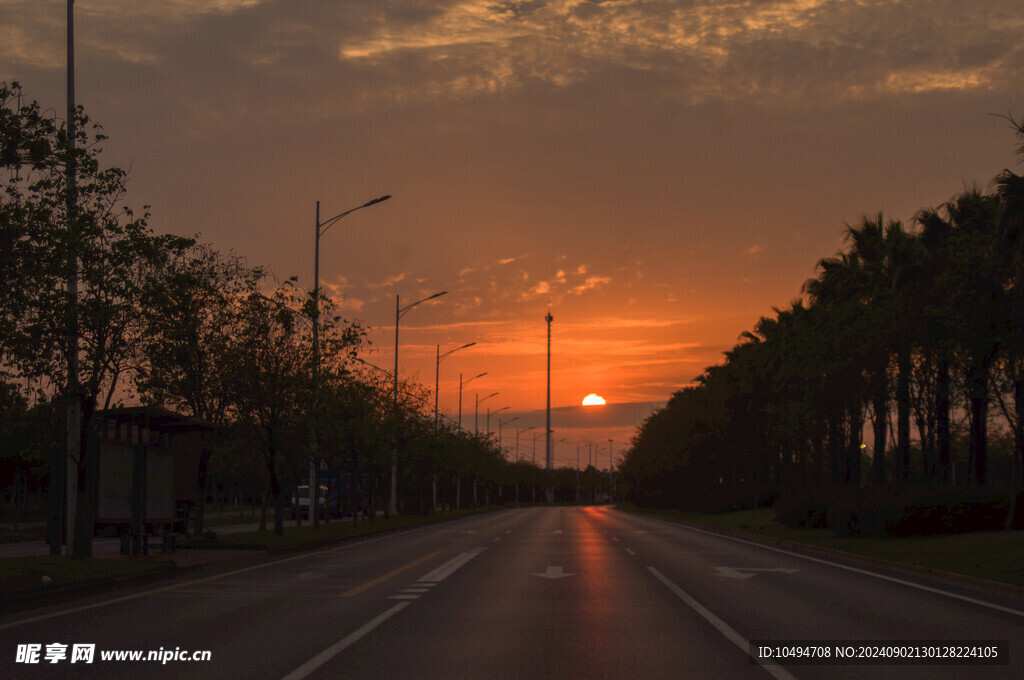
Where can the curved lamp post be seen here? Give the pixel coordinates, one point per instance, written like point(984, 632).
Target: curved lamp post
point(532, 427)
point(476, 412)
point(399, 313)
point(321, 229)
point(437, 372)
point(500, 424)
point(461, 383)
point(503, 408)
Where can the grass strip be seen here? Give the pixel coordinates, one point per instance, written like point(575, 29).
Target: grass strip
point(989, 555)
point(46, 574)
point(337, 530)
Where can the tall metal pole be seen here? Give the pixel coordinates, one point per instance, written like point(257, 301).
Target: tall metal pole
point(393, 500)
point(547, 437)
point(74, 397)
point(577, 473)
point(314, 468)
point(437, 375)
point(611, 466)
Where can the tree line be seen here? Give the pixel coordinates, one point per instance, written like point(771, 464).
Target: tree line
point(887, 398)
point(164, 320)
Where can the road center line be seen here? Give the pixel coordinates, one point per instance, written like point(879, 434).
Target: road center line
point(776, 671)
point(339, 646)
point(389, 575)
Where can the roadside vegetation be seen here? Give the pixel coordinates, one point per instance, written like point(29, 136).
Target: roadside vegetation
point(887, 399)
point(166, 321)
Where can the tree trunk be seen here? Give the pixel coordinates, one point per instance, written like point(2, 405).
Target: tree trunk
point(903, 414)
point(1017, 481)
point(204, 459)
point(942, 423)
point(978, 385)
point(880, 403)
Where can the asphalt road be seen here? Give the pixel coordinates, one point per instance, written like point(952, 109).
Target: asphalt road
point(525, 593)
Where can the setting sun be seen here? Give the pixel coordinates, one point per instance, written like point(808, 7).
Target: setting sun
point(593, 400)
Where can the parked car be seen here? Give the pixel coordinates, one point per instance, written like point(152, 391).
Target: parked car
point(300, 499)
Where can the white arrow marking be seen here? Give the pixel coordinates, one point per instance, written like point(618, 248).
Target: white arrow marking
point(553, 573)
point(741, 572)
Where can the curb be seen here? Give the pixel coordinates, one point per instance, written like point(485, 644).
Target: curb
point(853, 559)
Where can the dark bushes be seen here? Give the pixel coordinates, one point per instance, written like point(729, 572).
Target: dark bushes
point(896, 511)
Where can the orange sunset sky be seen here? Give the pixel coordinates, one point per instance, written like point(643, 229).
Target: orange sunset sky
point(658, 174)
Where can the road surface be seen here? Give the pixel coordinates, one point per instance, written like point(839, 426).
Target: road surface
point(550, 592)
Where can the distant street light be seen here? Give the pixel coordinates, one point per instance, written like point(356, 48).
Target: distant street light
point(437, 371)
point(533, 474)
point(517, 457)
point(321, 229)
point(461, 383)
point(476, 412)
point(500, 423)
point(503, 408)
point(611, 466)
point(399, 313)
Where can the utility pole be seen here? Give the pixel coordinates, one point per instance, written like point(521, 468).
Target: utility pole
point(73, 393)
point(611, 466)
point(547, 437)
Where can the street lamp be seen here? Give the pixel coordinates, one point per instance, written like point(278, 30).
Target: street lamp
point(321, 229)
point(461, 383)
point(503, 408)
point(611, 466)
point(399, 313)
point(476, 412)
point(500, 423)
point(533, 474)
point(532, 427)
point(551, 473)
point(437, 371)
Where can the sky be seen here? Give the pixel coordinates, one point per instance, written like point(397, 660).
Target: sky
point(657, 174)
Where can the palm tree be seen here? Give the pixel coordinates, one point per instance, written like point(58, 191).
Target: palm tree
point(1009, 188)
point(968, 295)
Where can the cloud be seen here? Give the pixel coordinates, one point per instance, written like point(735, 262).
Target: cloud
point(591, 283)
point(388, 282)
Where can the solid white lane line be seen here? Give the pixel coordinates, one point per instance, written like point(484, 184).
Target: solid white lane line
point(448, 568)
point(892, 579)
point(339, 646)
point(776, 671)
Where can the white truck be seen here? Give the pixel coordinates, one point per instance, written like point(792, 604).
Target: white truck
point(300, 500)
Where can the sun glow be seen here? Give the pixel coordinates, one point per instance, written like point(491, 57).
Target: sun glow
point(593, 400)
